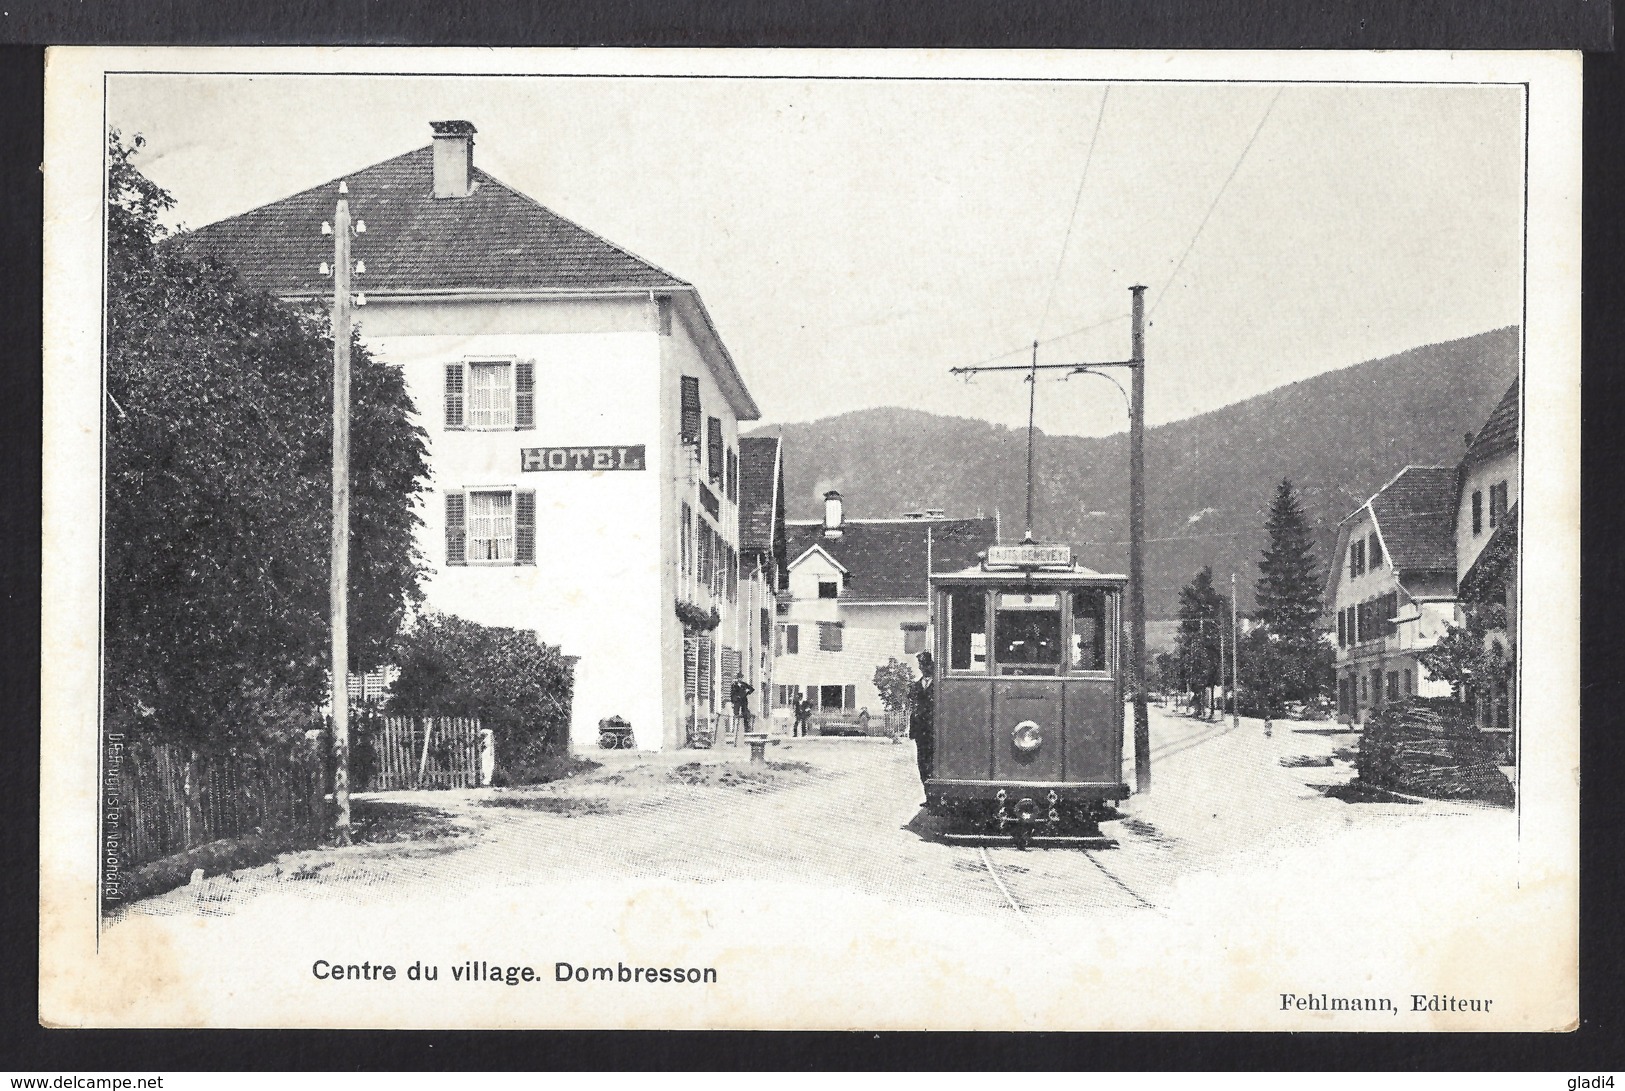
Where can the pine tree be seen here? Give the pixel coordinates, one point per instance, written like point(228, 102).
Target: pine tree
point(1288, 596)
point(1289, 578)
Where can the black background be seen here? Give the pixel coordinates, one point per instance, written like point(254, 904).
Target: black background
point(1596, 1046)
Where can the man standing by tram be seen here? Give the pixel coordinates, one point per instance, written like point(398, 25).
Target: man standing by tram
point(921, 723)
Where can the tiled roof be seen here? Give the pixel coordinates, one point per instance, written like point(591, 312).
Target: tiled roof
point(1499, 434)
point(1415, 514)
point(761, 493)
point(495, 238)
point(885, 558)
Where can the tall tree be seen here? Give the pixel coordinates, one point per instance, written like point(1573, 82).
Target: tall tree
point(1289, 605)
point(218, 457)
point(1201, 617)
point(1289, 578)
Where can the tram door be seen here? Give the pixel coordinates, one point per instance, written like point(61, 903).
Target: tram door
point(1044, 655)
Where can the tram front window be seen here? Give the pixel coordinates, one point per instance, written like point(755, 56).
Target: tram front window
point(967, 631)
point(1088, 630)
point(1027, 633)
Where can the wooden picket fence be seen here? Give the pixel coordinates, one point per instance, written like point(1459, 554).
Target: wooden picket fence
point(233, 795)
point(423, 752)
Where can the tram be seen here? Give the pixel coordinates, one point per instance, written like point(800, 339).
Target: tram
point(1028, 697)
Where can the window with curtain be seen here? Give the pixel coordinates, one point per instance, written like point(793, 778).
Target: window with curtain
point(490, 526)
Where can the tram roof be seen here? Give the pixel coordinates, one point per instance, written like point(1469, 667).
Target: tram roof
point(1076, 573)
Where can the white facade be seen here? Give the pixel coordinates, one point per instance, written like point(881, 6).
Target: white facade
point(607, 565)
point(1383, 621)
point(855, 597)
point(517, 331)
point(1494, 483)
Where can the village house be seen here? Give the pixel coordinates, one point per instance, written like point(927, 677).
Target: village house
point(582, 415)
point(1393, 590)
point(1487, 554)
point(854, 596)
point(762, 546)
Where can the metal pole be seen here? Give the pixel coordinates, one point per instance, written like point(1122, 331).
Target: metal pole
point(1235, 659)
point(1136, 549)
point(339, 577)
point(1032, 402)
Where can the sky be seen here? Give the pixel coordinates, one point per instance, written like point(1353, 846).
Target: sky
point(856, 239)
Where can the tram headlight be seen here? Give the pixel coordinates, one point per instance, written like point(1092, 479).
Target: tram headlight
point(1027, 735)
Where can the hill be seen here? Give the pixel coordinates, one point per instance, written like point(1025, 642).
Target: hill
point(1338, 436)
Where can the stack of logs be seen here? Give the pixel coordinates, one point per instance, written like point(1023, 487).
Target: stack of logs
point(1430, 750)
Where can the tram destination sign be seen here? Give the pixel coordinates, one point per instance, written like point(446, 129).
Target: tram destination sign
point(582, 458)
point(1029, 555)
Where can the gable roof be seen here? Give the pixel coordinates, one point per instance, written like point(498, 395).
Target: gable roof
point(496, 238)
point(761, 495)
point(1415, 514)
point(1415, 519)
point(885, 559)
point(818, 548)
point(494, 241)
point(1500, 432)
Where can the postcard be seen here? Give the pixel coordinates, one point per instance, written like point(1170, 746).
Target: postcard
point(648, 539)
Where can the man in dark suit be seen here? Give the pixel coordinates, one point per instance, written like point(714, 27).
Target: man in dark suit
point(921, 695)
point(739, 696)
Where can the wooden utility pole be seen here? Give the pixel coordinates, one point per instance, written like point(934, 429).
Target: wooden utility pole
point(1235, 659)
point(1136, 540)
point(339, 576)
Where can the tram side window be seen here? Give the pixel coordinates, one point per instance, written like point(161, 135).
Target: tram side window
point(1027, 633)
point(1089, 614)
point(967, 631)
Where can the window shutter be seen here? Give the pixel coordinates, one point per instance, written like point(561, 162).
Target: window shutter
point(456, 532)
point(767, 626)
point(849, 697)
point(690, 405)
point(1342, 630)
point(524, 526)
point(705, 671)
point(713, 448)
point(524, 394)
point(792, 640)
point(733, 476)
point(454, 395)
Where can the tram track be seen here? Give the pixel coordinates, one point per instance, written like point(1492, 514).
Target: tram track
point(1179, 746)
point(1006, 886)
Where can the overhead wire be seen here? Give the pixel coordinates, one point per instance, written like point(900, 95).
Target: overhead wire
point(1077, 200)
point(1217, 197)
point(1178, 265)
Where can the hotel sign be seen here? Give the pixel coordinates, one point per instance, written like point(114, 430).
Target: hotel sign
point(581, 458)
point(1029, 555)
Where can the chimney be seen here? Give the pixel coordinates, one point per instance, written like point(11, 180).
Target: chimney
point(453, 158)
point(833, 515)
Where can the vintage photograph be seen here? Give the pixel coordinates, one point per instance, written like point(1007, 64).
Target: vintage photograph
point(752, 540)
